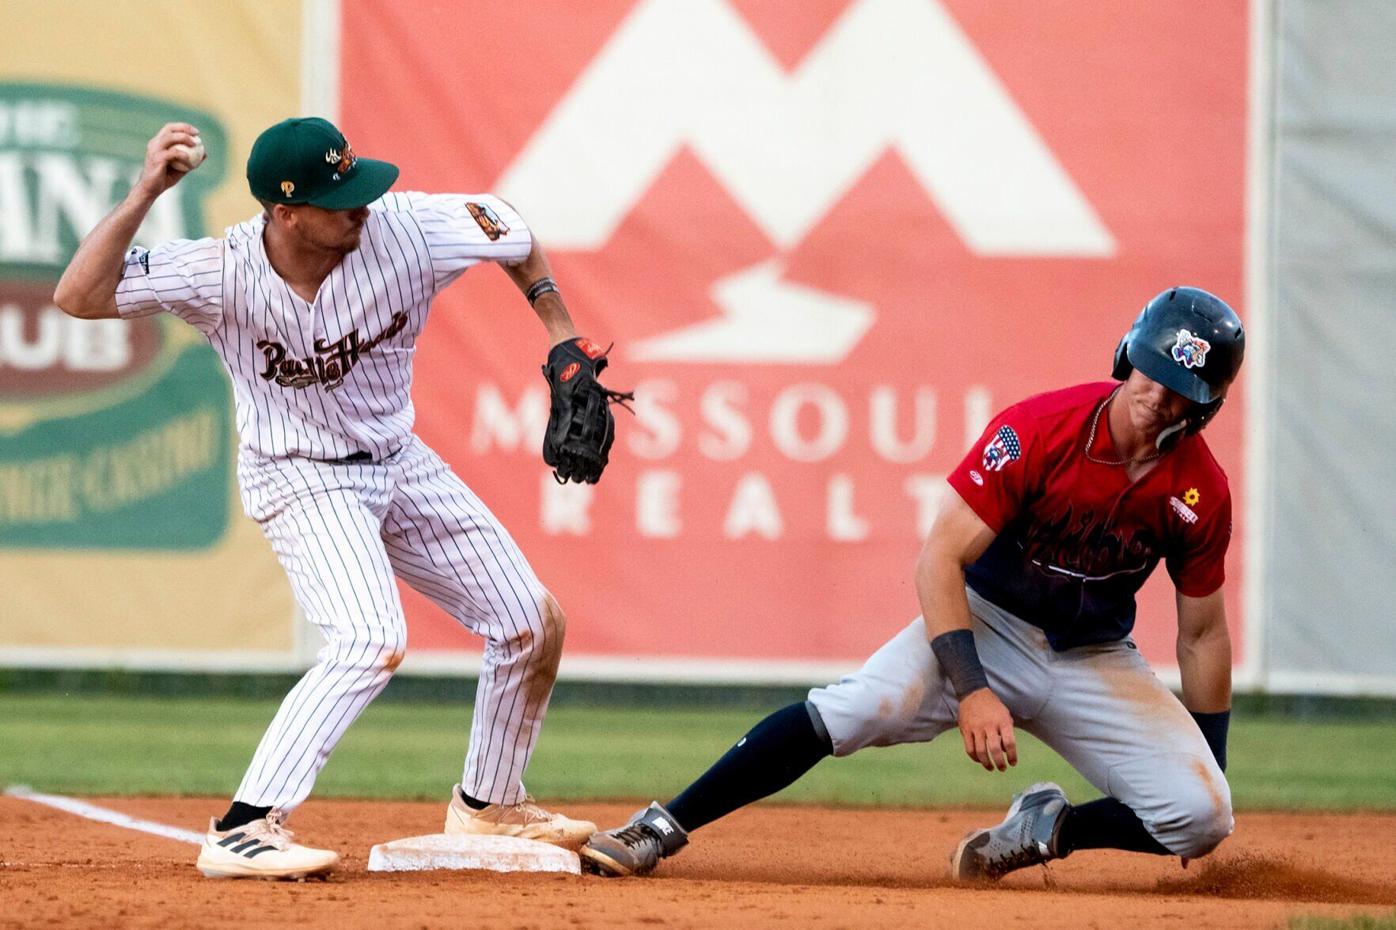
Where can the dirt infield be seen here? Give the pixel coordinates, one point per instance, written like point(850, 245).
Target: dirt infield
point(769, 866)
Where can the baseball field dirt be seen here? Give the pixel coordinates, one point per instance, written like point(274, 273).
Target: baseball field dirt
point(767, 866)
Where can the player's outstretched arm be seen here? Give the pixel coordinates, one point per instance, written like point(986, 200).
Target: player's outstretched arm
point(87, 288)
point(581, 428)
point(534, 277)
point(957, 538)
point(1204, 663)
point(1204, 653)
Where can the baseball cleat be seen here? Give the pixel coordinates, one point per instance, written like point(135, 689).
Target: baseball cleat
point(261, 849)
point(525, 820)
point(1027, 836)
point(637, 847)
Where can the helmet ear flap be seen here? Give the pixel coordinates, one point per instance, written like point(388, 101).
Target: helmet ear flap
point(1200, 414)
point(1122, 364)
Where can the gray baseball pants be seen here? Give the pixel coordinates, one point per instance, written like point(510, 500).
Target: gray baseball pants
point(1100, 707)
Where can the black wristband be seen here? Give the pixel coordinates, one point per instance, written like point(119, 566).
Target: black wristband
point(959, 661)
point(1214, 728)
point(539, 288)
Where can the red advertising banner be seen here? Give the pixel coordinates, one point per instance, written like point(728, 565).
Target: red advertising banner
point(829, 241)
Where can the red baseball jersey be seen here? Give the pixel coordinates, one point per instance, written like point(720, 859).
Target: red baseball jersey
point(1077, 539)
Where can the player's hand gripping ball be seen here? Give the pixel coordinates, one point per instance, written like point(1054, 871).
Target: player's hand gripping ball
point(191, 156)
point(580, 426)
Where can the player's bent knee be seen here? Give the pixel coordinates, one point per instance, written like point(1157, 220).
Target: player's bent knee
point(1202, 818)
point(387, 654)
point(854, 718)
point(1213, 827)
point(553, 619)
point(539, 643)
point(378, 649)
point(1203, 836)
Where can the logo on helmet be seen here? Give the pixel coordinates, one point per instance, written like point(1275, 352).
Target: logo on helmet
point(1190, 351)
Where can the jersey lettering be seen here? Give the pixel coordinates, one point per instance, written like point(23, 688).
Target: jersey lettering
point(332, 362)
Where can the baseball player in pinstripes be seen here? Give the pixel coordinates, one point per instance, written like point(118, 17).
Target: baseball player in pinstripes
point(314, 306)
point(1027, 583)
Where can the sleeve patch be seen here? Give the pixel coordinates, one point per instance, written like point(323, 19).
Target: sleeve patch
point(1002, 449)
point(137, 256)
point(1183, 510)
point(488, 220)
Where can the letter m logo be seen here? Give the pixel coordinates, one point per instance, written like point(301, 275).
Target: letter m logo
point(897, 74)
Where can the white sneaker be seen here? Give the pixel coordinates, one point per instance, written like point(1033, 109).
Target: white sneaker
point(261, 849)
point(525, 820)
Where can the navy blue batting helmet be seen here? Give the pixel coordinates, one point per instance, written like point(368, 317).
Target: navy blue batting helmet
point(1191, 342)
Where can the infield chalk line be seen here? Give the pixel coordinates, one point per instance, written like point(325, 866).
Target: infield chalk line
point(104, 815)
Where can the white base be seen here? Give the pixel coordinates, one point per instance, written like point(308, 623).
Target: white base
point(466, 851)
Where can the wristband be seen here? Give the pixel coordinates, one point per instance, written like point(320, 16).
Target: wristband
point(1214, 728)
point(959, 661)
point(539, 288)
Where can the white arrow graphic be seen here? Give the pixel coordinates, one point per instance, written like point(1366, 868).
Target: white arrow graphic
point(766, 319)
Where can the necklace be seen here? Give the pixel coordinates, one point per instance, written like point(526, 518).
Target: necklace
point(1090, 440)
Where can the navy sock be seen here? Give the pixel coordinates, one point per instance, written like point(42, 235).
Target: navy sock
point(1106, 824)
point(473, 803)
point(240, 814)
point(776, 752)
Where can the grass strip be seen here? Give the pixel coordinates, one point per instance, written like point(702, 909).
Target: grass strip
point(104, 744)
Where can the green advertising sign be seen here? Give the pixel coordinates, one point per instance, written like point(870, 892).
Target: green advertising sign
point(114, 434)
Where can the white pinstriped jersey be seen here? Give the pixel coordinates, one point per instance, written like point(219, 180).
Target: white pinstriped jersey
point(321, 381)
point(331, 378)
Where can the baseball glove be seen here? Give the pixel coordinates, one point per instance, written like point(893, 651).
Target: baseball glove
point(580, 426)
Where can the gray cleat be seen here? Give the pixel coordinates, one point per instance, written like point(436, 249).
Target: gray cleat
point(1027, 836)
point(637, 847)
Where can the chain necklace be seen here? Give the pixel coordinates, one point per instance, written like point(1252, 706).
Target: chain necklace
point(1090, 440)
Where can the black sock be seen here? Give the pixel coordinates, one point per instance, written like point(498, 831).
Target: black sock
point(776, 752)
point(240, 814)
point(1105, 824)
point(472, 803)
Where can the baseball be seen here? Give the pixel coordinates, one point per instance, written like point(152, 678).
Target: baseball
point(192, 155)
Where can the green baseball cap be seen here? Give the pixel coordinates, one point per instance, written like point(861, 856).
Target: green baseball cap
point(308, 160)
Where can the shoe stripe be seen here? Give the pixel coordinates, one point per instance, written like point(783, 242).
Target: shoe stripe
point(248, 845)
point(258, 852)
point(228, 841)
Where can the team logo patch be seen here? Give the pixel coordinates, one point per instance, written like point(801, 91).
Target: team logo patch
point(489, 220)
point(976, 477)
point(138, 255)
point(342, 161)
point(1183, 510)
point(1002, 449)
point(1190, 351)
point(1191, 496)
point(288, 188)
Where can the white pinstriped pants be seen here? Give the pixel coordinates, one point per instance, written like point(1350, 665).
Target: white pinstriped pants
point(342, 532)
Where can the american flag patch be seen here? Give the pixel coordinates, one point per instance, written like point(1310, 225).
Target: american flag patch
point(1002, 449)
